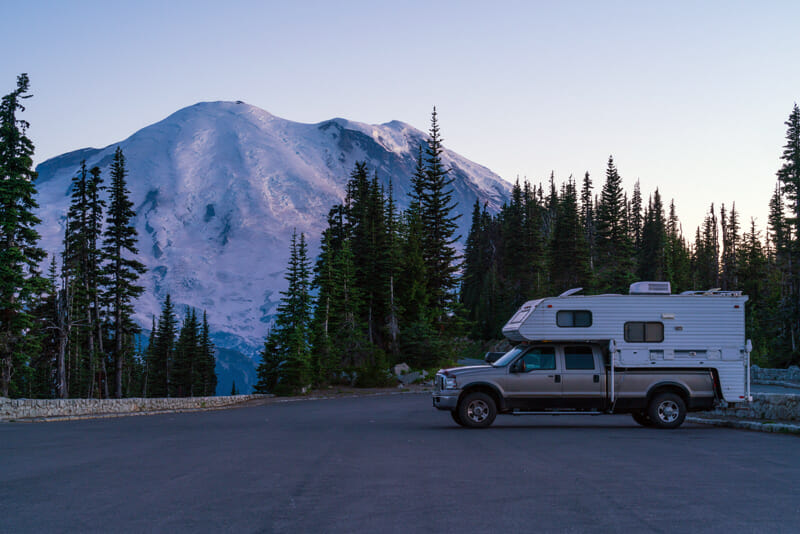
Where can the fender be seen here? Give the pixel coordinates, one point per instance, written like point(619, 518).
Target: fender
point(482, 385)
point(669, 384)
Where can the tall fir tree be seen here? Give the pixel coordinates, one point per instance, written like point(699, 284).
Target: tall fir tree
point(162, 356)
point(290, 335)
point(439, 220)
point(614, 249)
point(569, 252)
point(208, 360)
point(20, 282)
point(121, 271)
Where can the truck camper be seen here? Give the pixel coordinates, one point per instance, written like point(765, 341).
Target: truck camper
point(650, 353)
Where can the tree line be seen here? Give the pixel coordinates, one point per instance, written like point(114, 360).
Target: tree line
point(70, 333)
point(384, 284)
point(390, 287)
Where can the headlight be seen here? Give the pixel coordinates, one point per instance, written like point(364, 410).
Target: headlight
point(450, 382)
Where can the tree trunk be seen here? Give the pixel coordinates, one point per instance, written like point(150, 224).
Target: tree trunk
point(118, 352)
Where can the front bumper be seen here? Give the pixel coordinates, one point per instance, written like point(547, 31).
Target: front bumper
point(445, 400)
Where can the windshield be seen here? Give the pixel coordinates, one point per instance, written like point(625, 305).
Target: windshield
point(510, 356)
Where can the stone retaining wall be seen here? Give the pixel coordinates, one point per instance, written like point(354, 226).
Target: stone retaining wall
point(792, 374)
point(30, 408)
point(769, 406)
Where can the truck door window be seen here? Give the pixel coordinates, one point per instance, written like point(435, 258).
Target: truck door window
point(642, 332)
point(540, 358)
point(578, 358)
point(574, 318)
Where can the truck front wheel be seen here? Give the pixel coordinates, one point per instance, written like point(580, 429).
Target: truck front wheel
point(667, 410)
point(477, 410)
point(456, 417)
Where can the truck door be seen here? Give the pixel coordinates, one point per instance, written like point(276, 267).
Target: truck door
point(583, 378)
point(534, 380)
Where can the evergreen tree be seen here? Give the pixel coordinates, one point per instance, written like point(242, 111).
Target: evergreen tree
point(208, 374)
point(162, 356)
point(636, 221)
point(588, 220)
point(438, 219)
point(614, 250)
point(290, 335)
point(653, 245)
point(268, 370)
point(569, 254)
point(20, 281)
point(678, 254)
point(789, 176)
point(121, 272)
point(186, 374)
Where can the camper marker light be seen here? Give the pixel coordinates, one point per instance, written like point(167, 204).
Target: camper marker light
point(549, 305)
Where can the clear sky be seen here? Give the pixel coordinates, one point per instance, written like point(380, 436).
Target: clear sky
point(689, 97)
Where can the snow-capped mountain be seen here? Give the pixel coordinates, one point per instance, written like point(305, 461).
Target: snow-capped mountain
point(219, 187)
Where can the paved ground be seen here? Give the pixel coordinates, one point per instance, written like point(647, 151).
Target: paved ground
point(391, 464)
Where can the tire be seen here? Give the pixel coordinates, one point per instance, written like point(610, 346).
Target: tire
point(642, 418)
point(477, 410)
point(456, 417)
point(667, 410)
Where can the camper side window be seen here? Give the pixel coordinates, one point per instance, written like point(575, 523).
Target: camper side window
point(641, 332)
point(574, 318)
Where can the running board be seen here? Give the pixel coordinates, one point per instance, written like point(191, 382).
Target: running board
point(558, 413)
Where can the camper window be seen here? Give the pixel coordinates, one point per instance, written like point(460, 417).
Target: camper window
point(641, 332)
point(574, 318)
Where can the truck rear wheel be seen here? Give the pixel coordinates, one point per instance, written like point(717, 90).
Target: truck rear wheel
point(667, 410)
point(642, 418)
point(477, 410)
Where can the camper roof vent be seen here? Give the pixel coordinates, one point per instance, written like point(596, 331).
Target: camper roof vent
point(650, 288)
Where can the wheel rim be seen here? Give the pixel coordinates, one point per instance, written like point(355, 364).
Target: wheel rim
point(668, 411)
point(477, 411)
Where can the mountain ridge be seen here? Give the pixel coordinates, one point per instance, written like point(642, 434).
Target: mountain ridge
point(218, 188)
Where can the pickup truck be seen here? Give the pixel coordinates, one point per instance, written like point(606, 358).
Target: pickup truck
point(571, 378)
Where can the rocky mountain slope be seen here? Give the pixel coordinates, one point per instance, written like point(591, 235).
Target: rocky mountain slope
point(219, 187)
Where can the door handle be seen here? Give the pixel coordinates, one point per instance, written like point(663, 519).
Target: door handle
point(596, 379)
point(558, 379)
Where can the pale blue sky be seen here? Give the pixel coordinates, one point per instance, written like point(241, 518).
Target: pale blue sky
point(689, 97)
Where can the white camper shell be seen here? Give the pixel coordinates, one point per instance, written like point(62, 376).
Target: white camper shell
point(650, 328)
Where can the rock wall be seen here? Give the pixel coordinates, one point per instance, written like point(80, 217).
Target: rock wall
point(47, 408)
point(792, 374)
point(768, 406)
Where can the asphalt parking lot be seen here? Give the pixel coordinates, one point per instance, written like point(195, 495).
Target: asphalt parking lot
point(391, 464)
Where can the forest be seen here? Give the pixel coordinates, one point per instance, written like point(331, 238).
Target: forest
point(388, 285)
point(70, 333)
point(391, 287)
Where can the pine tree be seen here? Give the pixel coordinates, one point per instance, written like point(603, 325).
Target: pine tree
point(186, 373)
point(438, 219)
point(588, 220)
point(20, 281)
point(614, 250)
point(120, 272)
point(789, 176)
point(653, 246)
point(291, 331)
point(162, 356)
point(208, 360)
point(569, 253)
point(678, 255)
